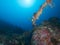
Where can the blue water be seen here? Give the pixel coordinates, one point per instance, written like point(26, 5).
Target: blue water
point(12, 13)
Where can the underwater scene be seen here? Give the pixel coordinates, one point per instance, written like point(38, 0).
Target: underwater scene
point(29, 22)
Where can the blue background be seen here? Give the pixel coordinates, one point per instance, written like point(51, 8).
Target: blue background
point(12, 13)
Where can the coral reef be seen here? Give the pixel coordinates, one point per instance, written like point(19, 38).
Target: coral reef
point(47, 33)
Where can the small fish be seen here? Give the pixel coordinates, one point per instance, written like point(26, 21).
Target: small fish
point(49, 2)
point(36, 15)
point(34, 19)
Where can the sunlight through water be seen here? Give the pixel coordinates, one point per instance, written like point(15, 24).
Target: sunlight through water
point(26, 3)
